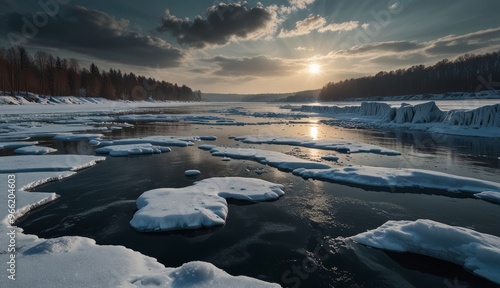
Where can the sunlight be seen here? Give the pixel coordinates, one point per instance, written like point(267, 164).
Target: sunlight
point(314, 68)
point(313, 132)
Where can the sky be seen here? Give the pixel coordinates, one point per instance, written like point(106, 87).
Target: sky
point(249, 47)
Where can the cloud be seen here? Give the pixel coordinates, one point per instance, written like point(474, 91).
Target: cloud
point(344, 26)
point(304, 27)
point(454, 44)
point(319, 24)
point(98, 34)
point(300, 4)
point(258, 66)
point(223, 23)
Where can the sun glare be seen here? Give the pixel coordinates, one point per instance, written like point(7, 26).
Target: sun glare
point(314, 68)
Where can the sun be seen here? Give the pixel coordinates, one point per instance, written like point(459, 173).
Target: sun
point(314, 68)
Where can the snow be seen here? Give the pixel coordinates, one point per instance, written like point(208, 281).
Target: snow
point(17, 144)
point(133, 149)
point(401, 178)
point(43, 163)
point(476, 252)
point(336, 145)
point(275, 159)
point(200, 205)
point(34, 150)
point(482, 121)
point(77, 137)
point(192, 172)
point(489, 196)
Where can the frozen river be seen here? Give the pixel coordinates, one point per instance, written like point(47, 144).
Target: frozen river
point(296, 241)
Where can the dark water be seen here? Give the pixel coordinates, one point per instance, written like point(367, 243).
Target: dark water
point(297, 240)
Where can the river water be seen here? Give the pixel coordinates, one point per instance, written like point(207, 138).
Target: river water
point(295, 241)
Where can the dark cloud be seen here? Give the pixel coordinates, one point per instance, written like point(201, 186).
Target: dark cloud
point(223, 23)
point(98, 34)
point(258, 66)
point(392, 46)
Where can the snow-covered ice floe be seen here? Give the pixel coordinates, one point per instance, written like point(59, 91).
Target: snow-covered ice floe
point(132, 149)
point(44, 262)
point(34, 150)
point(192, 172)
point(201, 205)
point(491, 196)
point(206, 147)
point(401, 178)
point(476, 252)
point(271, 158)
point(336, 145)
point(28, 163)
point(330, 158)
point(483, 121)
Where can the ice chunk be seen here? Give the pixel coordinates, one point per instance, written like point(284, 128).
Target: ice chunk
point(192, 172)
point(476, 252)
point(336, 145)
point(208, 138)
point(206, 147)
point(398, 177)
point(271, 158)
point(330, 158)
point(35, 150)
point(133, 149)
point(200, 205)
point(18, 144)
point(489, 196)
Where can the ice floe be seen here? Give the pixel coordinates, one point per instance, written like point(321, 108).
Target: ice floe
point(77, 137)
point(482, 121)
point(201, 205)
point(401, 178)
point(28, 163)
point(181, 141)
point(336, 145)
point(476, 252)
point(206, 147)
point(132, 149)
point(275, 159)
point(17, 144)
point(34, 150)
point(491, 196)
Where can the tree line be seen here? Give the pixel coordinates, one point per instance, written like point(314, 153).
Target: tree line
point(46, 75)
point(467, 73)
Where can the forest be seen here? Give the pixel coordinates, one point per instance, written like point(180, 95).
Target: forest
point(467, 73)
point(46, 75)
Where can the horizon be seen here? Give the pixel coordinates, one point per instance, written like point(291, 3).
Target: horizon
point(248, 48)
